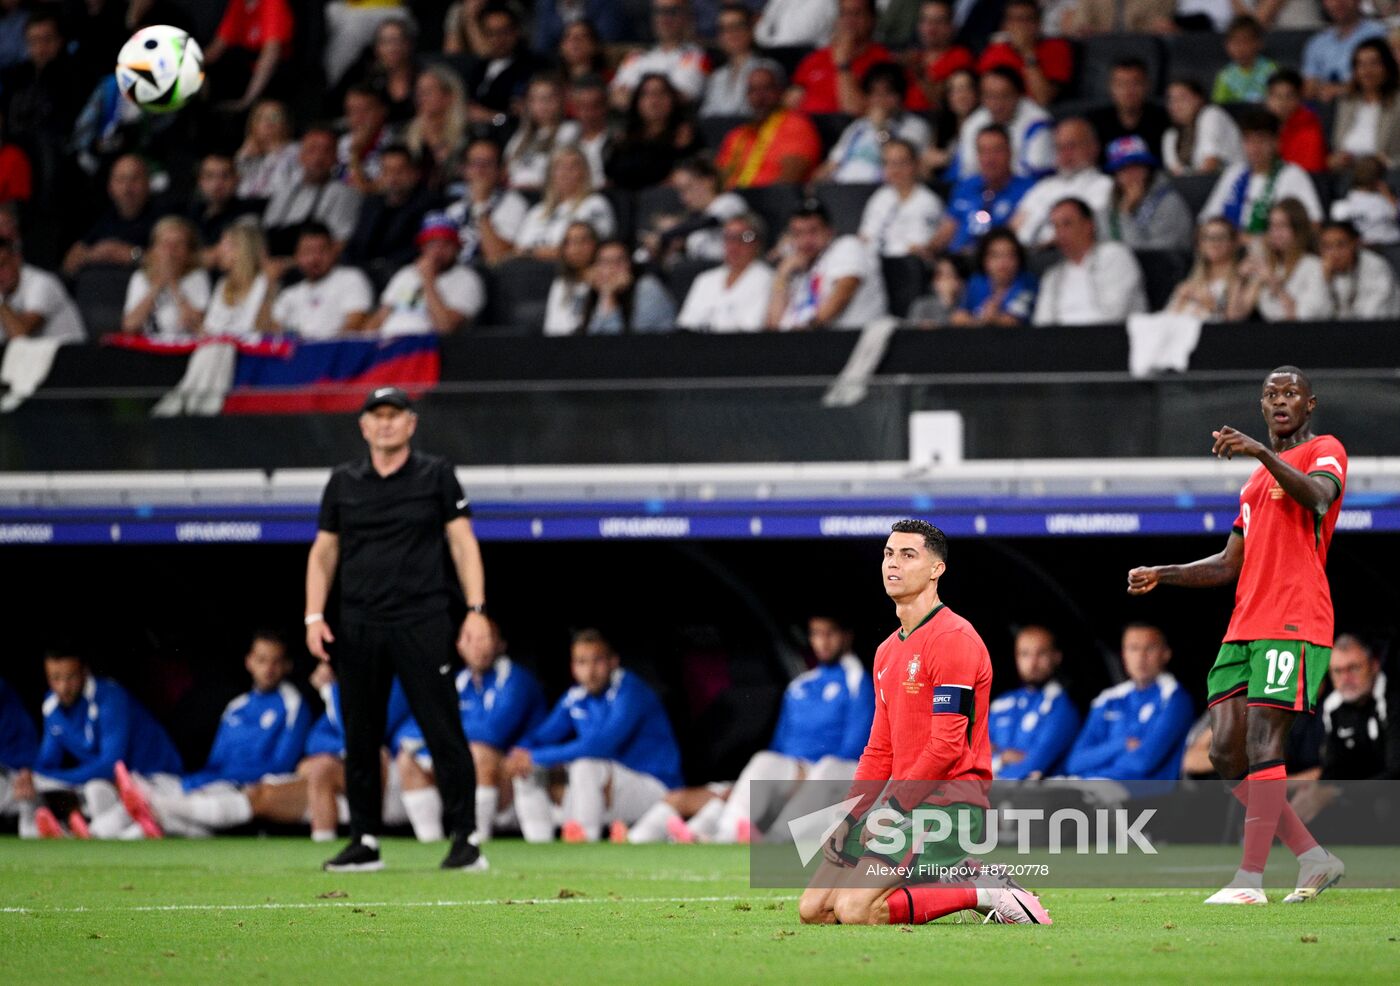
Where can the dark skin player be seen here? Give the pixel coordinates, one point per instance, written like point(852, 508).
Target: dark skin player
point(1242, 735)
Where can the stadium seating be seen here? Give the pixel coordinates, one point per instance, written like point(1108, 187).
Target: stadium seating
point(99, 290)
point(682, 275)
point(517, 294)
point(1162, 270)
point(905, 279)
point(1198, 56)
point(1097, 56)
point(844, 203)
point(774, 203)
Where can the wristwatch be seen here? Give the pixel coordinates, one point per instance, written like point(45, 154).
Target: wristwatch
point(478, 608)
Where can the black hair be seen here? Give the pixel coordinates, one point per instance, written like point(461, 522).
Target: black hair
point(634, 128)
point(810, 209)
point(365, 89)
point(1009, 74)
point(401, 149)
point(1132, 62)
point(1079, 206)
point(1186, 82)
point(1000, 234)
point(887, 72)
point(699, 166)
point(1288, 76)
point(1391, 84)
point(1243, 22)
point(65, 650)
point(1341, 226)
point(996, 128)
point(270, 636)
point(313, 227)
point(1144, 625)
point(492, 9)
point(590, 81)
point(1292, 371)
point(591, 635)
point(1257, 120)
point(934, 539)
point(901, 142)
point(730, 7)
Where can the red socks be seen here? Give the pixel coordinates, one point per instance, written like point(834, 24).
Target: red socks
point(1289, 827)
point(920, 905)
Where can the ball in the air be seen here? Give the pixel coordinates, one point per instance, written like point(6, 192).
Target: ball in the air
point(160, 68)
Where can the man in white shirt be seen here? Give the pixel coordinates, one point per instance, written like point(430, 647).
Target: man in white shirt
point(734, 296)
point(1361, 282)
point(796, 23)
point(903, 214)
point(433, 294)
point(1096, 283)
point(316, 195)
point(328, 301)
point(1077, 175)
point(1246, 192)
point(1004, 101)
point(824, 280)
point(33, 302)
point(675, 56)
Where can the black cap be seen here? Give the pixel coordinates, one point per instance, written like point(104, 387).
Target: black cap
point(392, 396)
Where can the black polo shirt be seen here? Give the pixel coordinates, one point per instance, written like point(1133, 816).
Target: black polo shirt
point(394, 563)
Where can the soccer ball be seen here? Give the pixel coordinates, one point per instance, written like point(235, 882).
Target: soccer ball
point(160, 68)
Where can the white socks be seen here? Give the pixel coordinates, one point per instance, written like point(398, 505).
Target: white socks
point(651, 827)
point(109, 824)
point(27, 828)
point(584, 800)
point(487, 797)
point(424, 808)
point(705, 822)
point(534, 810)
point(764, 766)
point(323, 835)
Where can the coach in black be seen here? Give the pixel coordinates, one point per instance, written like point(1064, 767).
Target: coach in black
point(388, 524)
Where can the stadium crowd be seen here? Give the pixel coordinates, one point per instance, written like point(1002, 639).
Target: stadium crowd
point(603, 761)
point(582, 167)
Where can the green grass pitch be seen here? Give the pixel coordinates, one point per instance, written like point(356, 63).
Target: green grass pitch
point(259, 910)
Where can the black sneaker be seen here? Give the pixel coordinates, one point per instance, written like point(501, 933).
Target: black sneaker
point(360, 856)
point(465, 855)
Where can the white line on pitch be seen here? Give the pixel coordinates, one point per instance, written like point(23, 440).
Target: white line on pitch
point(314, 905)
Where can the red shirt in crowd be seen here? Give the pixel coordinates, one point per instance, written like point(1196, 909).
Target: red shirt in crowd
point(1054, 55)
point(15, 175)
point(253, 23)
point(816, 74)
point(935, 71)
point(1302, 142)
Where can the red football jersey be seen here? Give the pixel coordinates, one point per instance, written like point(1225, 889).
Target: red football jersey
point(931, 695)
point(1282, 592)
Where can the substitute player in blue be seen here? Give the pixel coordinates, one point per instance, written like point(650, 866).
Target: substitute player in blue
point(609, 734)
point(1136, 731)
point(261, 736)
point(90, 725)
point(500, 702)
point(19, 743)
point(1032, 727)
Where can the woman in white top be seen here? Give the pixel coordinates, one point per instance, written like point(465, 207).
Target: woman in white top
point(166, 298)
point(1283, 279)
point(1203, 138)
point(563, 312)
point(1368, 116)
point(568, 198)
point(903, 214)
point(1214, 280)
point(543, 130)
point(238, 297)
point(855, 158)
point(268, 158)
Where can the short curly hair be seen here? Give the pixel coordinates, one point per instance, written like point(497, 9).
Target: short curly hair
point(934, 539)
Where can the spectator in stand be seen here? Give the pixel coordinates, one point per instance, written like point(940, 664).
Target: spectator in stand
point(542, 131)
point(1361, 283)
point(824, 280)
point(328, 301)
point(552, 19)
point(1368, 115)
point(936, 57)
point(902, 216)
point(656, 136)
point(588, 105)
point(393, 68)
point(351, 26)
point(1004, 103)
point(488, 216)
point(217, 204)
point(1300, 137)
point(581, 52)
point(827, 80)
point(1002, 292)
point(269, 158)
point(1045, 64)
point(496, 79)
point(1145, 211)
point(124, 227)
point(34, 303)
point(41, 96)
point(16, 176)
point(434, 293)
point(438, 131)
point(1032, 727)
point(167, 295)
point(314, 195)
point(984, 200)
point(619, 300)
point(14, 15)
point(1246, 192)
point(696, 234)
point(675, 56)
point(1278, 15)
point(568, 198)
point(1085, 18)
point(732, 297)
point(1203, 138)
point(563, 313)
point(855, 157)
point(1095, 283)
point(960, 97)
point(1136, 731)
point(1369, 205)
point(727, 88)
point(1328, 55)
point(1246, 78)
point(1283, 279)
point(244, 60)
point(385, 236)
point(244, 289)
point(795, 23)
point(1208, 291)
point(367, 133)
point(1077, 175)
point(779, 145)
point(1130, 113)
point(935, 310)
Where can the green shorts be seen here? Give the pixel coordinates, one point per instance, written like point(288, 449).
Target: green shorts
point(958, 826)
point(1281, 674)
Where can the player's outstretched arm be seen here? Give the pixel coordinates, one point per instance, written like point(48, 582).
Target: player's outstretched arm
point(1222, 568)
point(1316, 493)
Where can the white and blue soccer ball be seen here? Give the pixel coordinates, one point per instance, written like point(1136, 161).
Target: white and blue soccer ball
point(160, 68)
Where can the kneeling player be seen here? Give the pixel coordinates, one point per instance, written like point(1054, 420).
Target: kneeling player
point(930, 731)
